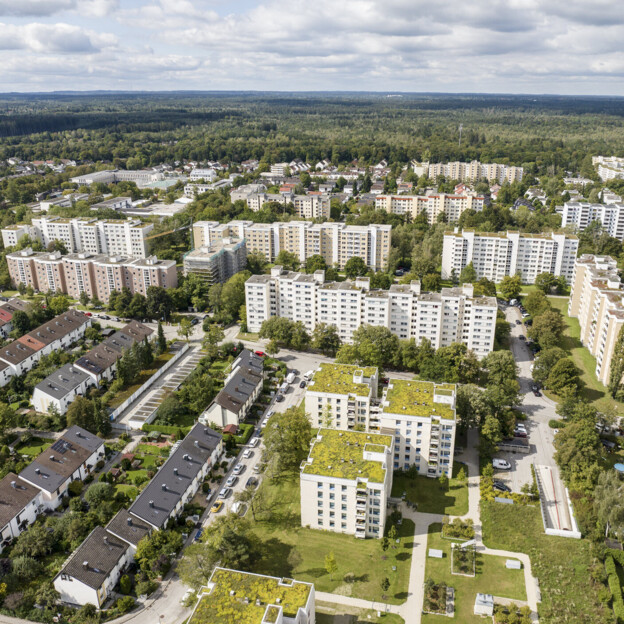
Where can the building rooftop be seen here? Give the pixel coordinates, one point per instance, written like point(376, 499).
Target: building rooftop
point(416, 398)
point(245, 598)
point(15, 494)
point(62, 381)
point(128, 527)
point(338, 379)
point(340, 454)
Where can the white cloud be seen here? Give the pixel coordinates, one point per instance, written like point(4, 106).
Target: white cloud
point(45, 8)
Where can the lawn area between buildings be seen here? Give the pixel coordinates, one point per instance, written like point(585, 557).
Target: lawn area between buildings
point(593, 389)
point(561, 565)
point(34, 447)
point(293, 551)
point(431, 496)
point(492, 577)
point(331, 613)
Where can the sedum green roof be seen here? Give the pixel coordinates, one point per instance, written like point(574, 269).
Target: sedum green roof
point(219, 607)
point(338, 379)
point(340, 454)
point(415, 398)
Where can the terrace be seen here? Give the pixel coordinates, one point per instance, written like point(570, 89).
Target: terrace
point(417, 398)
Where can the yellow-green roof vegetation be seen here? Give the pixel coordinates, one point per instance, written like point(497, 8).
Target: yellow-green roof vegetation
point(219, 607)
point(375, 448)
point(415, 398)
point(338, 379)
point(340, 454)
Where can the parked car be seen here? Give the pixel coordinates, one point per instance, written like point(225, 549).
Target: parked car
point(225, 492)
point(217, 507)
point(88, 314)
point(537, 393)
point(501, 487)
point(251, 482)
point(231, 481)
point(260, 353)
point(254, 442)
point(236, 507)
point(238, 469)
point(521, 434)
point(195, 321)
point(522, 337)
point(246, 455)
point(302, 384)
point(501, 464)
point(198, 535)
point(279, 398)
point(518, 322)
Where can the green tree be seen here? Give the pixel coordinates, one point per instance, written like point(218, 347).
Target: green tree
point(547, 329)
point(609, 502)
point(564, 376)
point(288, 260)
point(616, 372)
point(468, 274)
point(536, 303)
point(485, 287)
point(214, 335)
point(21, 323)
point(233, 295)
point(355, 267)
point(577, 454)
point(385, 585)
point(137, 308)
point(510, 287)
point(7, 418)
point(546, 282)
point(185, 329)
point(36, 541)
point(472, 406)
point(161, 341)
point(431, 282)
point(84, 298)
point(545, 362)
point(158, 302)
point(326, 339)
point(88, 415)
point(98, 493)
point(315, 263)
point(287, 440)
point(196, 566)
point(331, 566)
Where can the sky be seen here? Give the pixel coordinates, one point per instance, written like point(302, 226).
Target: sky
point(487, 46)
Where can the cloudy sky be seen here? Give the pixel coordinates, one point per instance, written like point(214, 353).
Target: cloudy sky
point(512, 46)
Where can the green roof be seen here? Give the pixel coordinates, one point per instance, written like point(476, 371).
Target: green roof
point(219, 607)
point(340, 454)
point(338, 379)
point(415, 398)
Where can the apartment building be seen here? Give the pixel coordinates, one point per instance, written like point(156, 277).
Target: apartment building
point(13, 233)
point(113, 203)
point(453, 315)
point(452, 206)
point(495, 255)
point(96, 236)
point(419, 415)
point(580, 215)
point(597, 301)
point(313, 206)
point(346, 481)
point(210, 175)
point(95, 274)
point(609, 167)
point(254, 599)
point(141, 177)
point(217, 262)
point(336, 242)
point(469, 171)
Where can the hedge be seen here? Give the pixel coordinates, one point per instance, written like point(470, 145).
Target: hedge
point(166, 429)
point(614, 585)
point(246, 432)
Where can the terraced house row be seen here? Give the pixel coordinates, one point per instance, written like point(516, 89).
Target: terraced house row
point(453, 315)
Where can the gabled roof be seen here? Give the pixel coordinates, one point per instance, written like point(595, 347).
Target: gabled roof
point(128, 527)
point(16, 352)
point(62, 381)
point(15, 494)
point(237, 390)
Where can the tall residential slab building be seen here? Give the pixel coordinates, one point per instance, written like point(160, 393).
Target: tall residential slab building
point(472, 171)
point(217, 262)
point(495, 255)
point(453, 315)
point(337, 243)
point(452, 206)
point(580, 215)
point(597, 301)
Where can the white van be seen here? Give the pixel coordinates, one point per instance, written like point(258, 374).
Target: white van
point(308, 375)
point(254, 442)
point(501, 464)
point(290, 378)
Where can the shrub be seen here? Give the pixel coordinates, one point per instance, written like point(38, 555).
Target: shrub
point(166, 429)
point(145, 588)
point(75, 488)
point(125, 604)
point(556, 424)
point(125, 584)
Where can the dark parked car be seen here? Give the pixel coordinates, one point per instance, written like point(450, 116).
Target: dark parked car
point(501, 487)
point(537, 393)
point(251, 482)
point(520, 434)
point(195, 321)
point(302, 384)
point(522, 337)
point(279, 398)
point(198, 535)
point(518, 322)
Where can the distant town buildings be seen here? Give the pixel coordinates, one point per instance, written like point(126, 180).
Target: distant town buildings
point(452, 206)
point(580, 215)
point(97, 275)
point(209, 175)
point(609, 167)
point(454, 315)
point(111, 176)
point(335, 242)
point(469, 171)
point(217, 262)
point(495, 255)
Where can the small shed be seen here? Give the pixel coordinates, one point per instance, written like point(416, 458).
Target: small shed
point(484, 604)
point(230, 429)
point(154, 436)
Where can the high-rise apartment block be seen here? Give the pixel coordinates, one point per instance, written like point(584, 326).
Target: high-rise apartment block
point(419, 415)
point(96, 275)
point(432, 205)
point(453, 315)
point(106, 236)
point(581, 214)
point(495, 255)
point(217, 262)
point(472, 171)
point(597, 301)
point(346, 481)
point(609, 167)
point(336, 242)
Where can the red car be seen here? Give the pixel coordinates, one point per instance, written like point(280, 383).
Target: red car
point(260, 353)
point(88, 314)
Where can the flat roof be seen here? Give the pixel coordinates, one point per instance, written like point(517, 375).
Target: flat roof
point(340, 454)
point(415, 398)
point(244, 598)
point(338, 379)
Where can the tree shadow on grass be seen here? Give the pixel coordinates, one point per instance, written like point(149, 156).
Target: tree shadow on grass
point(401, 595)
point(275, 558)
point(313, 572)
point(404, 556)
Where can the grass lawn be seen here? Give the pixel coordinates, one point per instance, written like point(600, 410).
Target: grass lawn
point(148, 462)
point(248, 336)
point(431, 497)
point(561, 565)
point(143, 376)
point(330, 613)
point(130, 490)
point(593, 389)
point(34, 447)
point(293, 551)
point(147, 449)
point(492, 577)
point(131, 475)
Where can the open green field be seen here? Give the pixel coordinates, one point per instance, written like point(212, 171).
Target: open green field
point(34, 447)
point(430, 496)
point(561, 565)
point(248, 336)
point(593, 390)
point(492, 577)
point(293, 551)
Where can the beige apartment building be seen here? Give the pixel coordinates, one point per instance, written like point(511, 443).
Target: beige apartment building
point(97, 275)
point(469, 171)
point(597, 301)
point(346, 481)
point(336, 242)
point(452, 206)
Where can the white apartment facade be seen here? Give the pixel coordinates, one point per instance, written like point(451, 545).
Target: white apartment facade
point(12, 234)
point(432, 205)
point(453, 315)
point(346, 481)
point(314, 206)
point(337, 243)
point(597, 300)
point(495, 255)
point(472, 171)
point(203, 174)
point(581, 214)
point(609, 167)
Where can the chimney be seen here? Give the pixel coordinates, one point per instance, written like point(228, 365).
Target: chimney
point(106, 539)
point(196, 443)
point(175, 472)
point(129, 521)
point(37, 471)
point(14, 485)
point(51, 457)
point(164, 487)
point(85, 565)
point(151, 504)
